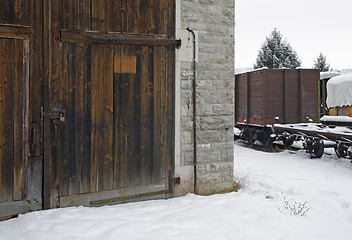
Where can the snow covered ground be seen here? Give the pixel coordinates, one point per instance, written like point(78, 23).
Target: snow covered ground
point(278, 189)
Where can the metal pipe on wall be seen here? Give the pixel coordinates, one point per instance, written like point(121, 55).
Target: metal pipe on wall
point(194, 111)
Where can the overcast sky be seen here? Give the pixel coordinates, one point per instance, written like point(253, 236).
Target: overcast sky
point(309, 26)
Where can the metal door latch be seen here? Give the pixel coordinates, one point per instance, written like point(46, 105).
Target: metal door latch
point(55, 115)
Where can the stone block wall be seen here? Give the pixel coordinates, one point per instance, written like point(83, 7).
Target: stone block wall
point(213, 23)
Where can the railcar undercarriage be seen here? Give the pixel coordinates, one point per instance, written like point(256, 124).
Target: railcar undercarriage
point(315, 137)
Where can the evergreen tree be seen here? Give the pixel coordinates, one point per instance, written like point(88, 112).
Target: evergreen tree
point(277, 53)
point(320, 63)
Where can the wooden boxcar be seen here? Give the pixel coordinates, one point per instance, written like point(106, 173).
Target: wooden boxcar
point(292, 95)
point(86, 102)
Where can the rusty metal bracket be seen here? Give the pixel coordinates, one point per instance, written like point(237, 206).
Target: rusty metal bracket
point(177, 180)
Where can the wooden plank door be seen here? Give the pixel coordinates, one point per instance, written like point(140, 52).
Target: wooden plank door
point(20, 106)
point(109, 112)
point(14, 70)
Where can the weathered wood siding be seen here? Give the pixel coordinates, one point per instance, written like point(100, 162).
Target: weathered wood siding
point(100, 100)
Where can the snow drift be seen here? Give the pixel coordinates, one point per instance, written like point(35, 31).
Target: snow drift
point(275, 185)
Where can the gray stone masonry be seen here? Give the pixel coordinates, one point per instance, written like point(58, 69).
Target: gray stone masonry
point(213, 22)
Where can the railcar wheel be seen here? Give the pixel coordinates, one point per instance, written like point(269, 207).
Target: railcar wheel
point(317, 149)
point(269, 142)
point(288, 141)
point(247, 135)
point(250, 137)
point(340, 151)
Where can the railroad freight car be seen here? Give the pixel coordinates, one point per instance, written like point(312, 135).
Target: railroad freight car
point(290, 94)
point(264, 97)
point(272, 105)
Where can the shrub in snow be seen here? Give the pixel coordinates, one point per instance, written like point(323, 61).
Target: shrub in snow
point(240, 183)
point(294, 208)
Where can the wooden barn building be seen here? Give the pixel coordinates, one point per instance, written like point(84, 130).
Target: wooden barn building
point(96, 101)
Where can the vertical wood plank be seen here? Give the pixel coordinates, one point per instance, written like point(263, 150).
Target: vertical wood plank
point(64, 9)
point(162, 17)
point(134, 16)
point(3, 11)
point(129, 16)
point(79, 121)
point(71, 120)
point(100, 127)
point(58, 78)
point(117, 15)
point(87, 116)
point(84, 17)
point(123, 19)
point(59, 130)
point(127, 114)
point(151, 17)
point(109, 15)
point(142, 102)
point(108, 117)
point(159, 76)
point(2, 127)
point(55, 51)
point(26, 12)
point(170, 22)
point(18, 12)
point(101, 124)
point(119, 144)
point(95, 15)
point(36, 73)
point(11, 11)
point(144, 16)
point(96, 65)
point(123, 119)
point(103, 15)
point(163, 116)
point(7, 174)
point(74, 15)
point(39, 170)
point(18, 119)
point(157, 16)
point(170, 117)
point(133, 118)
point(147, 108)
point(135, 126)
point(26, 121)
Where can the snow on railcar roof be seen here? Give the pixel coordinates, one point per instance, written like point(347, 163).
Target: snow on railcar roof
point(329, 74)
